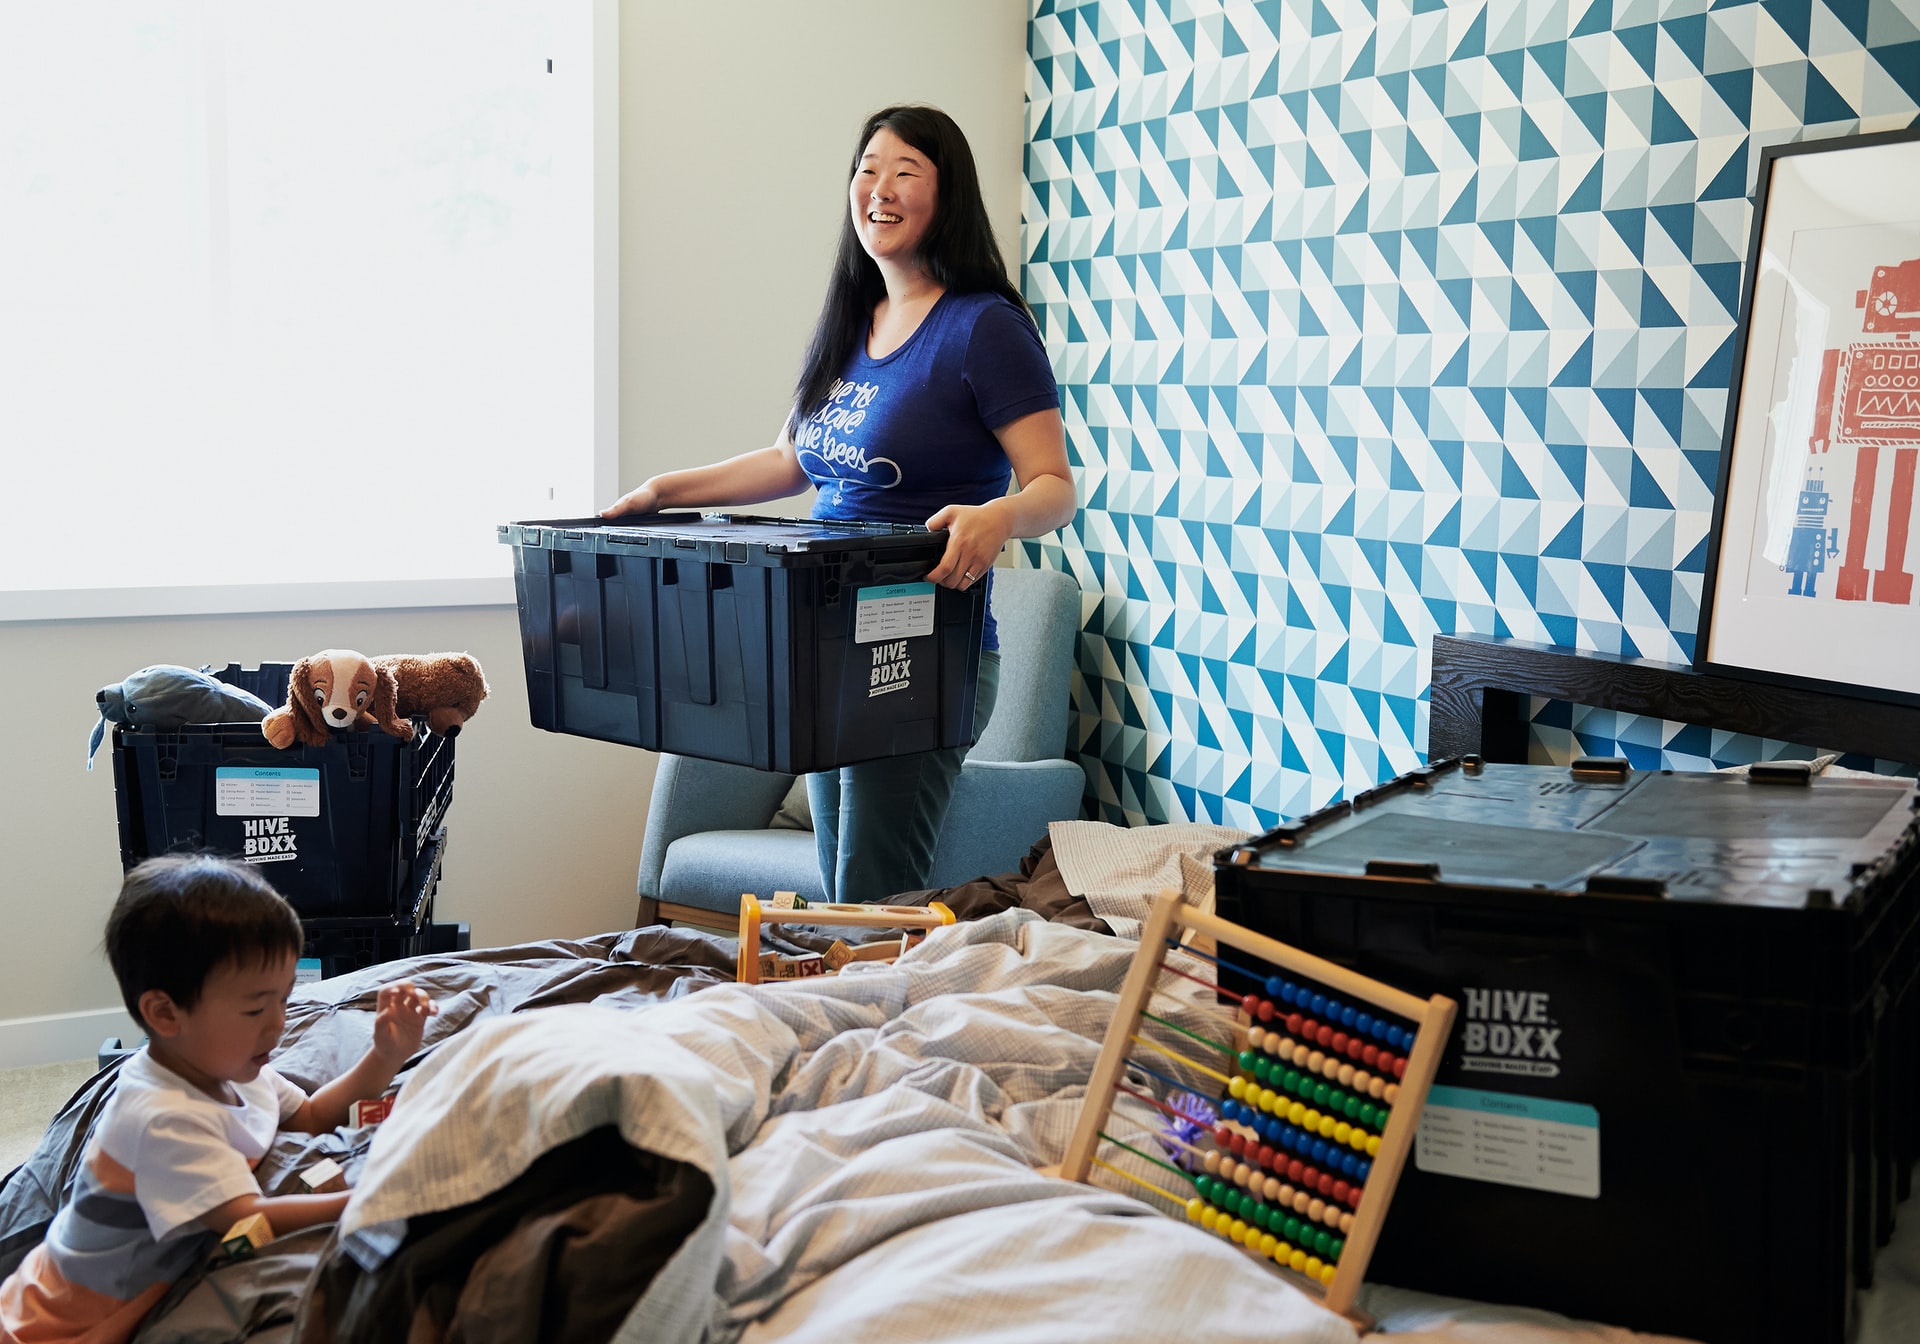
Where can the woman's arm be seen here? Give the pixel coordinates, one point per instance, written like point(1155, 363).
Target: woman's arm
point(766, 473)
point(1036, 445)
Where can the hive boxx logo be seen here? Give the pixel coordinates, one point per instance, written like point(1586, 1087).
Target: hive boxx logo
point(1510, 1031)
point(892, 669)
point(270, 840)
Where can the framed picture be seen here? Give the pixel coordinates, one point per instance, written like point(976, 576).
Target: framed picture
point(1811, 558)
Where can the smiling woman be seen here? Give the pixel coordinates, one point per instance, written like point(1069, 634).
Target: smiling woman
point(924, 392)
point(893, 195)
point(307, 306)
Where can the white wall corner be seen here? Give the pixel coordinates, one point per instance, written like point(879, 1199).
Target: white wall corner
point(59, 1037)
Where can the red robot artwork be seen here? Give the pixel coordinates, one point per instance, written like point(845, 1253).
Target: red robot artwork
point(1869, 403)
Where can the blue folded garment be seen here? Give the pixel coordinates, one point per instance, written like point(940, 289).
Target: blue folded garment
point(165, 696)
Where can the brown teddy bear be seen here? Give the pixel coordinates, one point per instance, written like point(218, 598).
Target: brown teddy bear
point(338, 688)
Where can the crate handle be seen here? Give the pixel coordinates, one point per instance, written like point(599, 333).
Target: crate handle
point(1404, 870)
point(587, 587)
point(697, 628)
point(686, 599)
point(1623, 884)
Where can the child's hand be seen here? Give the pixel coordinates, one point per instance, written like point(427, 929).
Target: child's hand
point(400, 1020)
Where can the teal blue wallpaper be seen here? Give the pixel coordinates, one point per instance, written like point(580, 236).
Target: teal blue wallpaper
point(1377, 319)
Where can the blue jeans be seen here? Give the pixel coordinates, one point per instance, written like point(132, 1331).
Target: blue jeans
point(875, 824)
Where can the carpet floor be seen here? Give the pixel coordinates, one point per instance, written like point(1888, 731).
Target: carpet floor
point(28, 1099)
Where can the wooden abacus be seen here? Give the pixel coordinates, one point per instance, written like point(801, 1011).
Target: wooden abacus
point(753, 914)
point(1318, 1113)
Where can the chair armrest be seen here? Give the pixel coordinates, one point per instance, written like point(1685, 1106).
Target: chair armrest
point(691, 795)
point(999, 809)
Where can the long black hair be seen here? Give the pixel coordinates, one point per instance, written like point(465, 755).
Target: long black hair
point(958, 251)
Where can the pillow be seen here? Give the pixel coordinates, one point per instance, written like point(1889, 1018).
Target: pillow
point(165, 696)
point(796, 813)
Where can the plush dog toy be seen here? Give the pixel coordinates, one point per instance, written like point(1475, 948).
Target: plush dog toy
point(338, 688)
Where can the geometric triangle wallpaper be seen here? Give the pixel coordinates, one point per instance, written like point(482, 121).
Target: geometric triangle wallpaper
point(1376, 319)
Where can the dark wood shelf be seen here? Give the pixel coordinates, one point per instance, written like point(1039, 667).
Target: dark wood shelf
point(1481, 687)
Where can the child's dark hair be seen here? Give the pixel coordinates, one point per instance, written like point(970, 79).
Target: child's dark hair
point(180, 916)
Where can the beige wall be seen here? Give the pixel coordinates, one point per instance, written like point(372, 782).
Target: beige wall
point(736, 123)
point(541, 838)
point(739, 133)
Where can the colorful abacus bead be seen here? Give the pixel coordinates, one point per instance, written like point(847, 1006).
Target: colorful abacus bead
point(1251, 1222)
point(1314, 1086)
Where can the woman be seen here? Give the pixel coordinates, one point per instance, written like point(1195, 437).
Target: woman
point(925, 386)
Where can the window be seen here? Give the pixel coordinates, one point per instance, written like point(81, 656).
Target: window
point(298, 303)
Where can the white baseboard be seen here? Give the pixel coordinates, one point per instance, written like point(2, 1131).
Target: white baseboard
point(59, 1037)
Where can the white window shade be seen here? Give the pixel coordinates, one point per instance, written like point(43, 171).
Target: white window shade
point(298, 303)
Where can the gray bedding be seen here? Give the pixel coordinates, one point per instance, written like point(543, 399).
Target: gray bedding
point(871, 1142)
point(589, 1148)
point(328, 1027)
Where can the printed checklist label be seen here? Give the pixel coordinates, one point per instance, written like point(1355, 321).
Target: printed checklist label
point(1510, 1140)
point(893, 611)
point(266, 791)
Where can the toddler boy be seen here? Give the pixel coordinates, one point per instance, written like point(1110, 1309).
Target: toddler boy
point(204, 951)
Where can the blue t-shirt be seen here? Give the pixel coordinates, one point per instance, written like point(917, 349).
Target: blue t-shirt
point(900, 438)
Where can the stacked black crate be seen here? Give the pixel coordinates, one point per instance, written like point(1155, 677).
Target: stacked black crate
point(1681, 1093)
point(352, 833)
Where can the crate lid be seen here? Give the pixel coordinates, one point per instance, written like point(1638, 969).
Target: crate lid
point(1683, 837)
point(739, 538)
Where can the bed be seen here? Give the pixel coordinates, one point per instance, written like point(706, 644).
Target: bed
point(608, 1138)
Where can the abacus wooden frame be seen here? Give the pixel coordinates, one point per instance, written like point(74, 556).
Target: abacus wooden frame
point(932, 915)
point(1432, 1019)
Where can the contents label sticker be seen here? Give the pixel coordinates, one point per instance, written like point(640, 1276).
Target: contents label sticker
point(893, 611)
point(1510, 1140)
point(266, 791)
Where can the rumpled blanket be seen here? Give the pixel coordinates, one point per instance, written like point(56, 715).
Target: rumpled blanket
point(871, 1139)
point(1120, 869)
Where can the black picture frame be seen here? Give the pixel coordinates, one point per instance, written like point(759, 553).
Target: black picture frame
point(1803, 386)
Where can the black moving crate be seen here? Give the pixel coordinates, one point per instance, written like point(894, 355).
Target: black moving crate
point(340, 830)
point(1680, 1095)
point(783, 644)
point(350, 943)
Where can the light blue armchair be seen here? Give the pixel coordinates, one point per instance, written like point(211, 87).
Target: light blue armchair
point(709, 837)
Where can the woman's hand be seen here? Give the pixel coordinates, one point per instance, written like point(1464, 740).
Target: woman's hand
point(1036, 447)
point(400, 1021)
point(644, 499)
point(975, 534)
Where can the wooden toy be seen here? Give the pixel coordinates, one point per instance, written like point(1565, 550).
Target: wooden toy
point(779, 966)
point(752, 915)
point(246, 1236)
point(325, 1177)
point(842, 954)
point(369, 1112)
point(1326, 1072)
